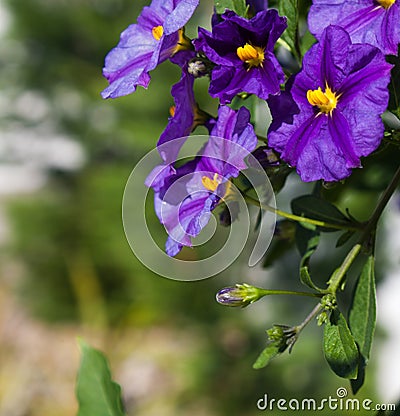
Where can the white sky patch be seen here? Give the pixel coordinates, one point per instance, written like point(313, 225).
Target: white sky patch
point(388, 306)
point(40, 148)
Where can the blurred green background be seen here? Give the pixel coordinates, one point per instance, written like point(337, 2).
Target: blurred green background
point(66, 267)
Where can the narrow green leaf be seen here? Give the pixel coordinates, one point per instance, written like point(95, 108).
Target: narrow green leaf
point(340, 350)
point(305, 278)
point(319, 209)
point(97, 394)
point(290, 9)
point(362, 316)
point(271, 351)
point(238, 6)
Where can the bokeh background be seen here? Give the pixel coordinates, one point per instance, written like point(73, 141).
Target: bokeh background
point(67, 271)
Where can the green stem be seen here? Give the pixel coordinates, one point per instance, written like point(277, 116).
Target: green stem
point(309, 317)
point(266, 292)
point(298, 218)
point(337, 277)
point(372, 222)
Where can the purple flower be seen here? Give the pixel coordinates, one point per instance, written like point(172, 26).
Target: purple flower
point(185, 196)
point(242, 51)
point(157, 36)
point(338, 98)
point(185, 114)
point(376, 22)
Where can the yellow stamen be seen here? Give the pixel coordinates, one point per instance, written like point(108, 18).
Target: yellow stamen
point(157, 32)
point(386, 3)
point(229, 193)
point(211, 184)
point(325, 101)
point(172, 110)
point(251, 55)
point(183, 44)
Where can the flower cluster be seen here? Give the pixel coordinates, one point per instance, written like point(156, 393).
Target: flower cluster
point(325, 118)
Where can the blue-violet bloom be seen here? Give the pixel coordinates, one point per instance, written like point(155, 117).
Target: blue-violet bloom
point(185, 196)
point(243, 53)
point(376, 22)
point(334, 116)
point(185, 115)
point(157, 36)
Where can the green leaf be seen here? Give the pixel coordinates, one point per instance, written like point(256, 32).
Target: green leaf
point(307, 242)
point(319, 209)
point(271, 351)
point(290, 9)
point(306, 42)
point(97, 394)
point(362, 316)
point(238, 6)
point(340, 349)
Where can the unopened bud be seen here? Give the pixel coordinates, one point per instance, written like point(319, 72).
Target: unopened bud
point(328, 302)
point(238, 295)
point(283, 336)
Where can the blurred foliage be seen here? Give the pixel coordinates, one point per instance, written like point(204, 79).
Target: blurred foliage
point(77, 265)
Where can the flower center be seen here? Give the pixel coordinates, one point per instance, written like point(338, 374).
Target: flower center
point(251, 55)
point(157, 32)
point(211, 184)
point(386, 3)
point(326, 101)
point(172, 110)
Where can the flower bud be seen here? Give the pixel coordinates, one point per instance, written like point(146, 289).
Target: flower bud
point(322, 318)
point(199, 67)
point(238, 295)
point(283, 336)
point(328, 302)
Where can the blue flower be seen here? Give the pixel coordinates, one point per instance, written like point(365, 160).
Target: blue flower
point(243, 53)
point(185, 196)
point(157, 36)
point(332, 115)
point(185, 114)
point(376, 22)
